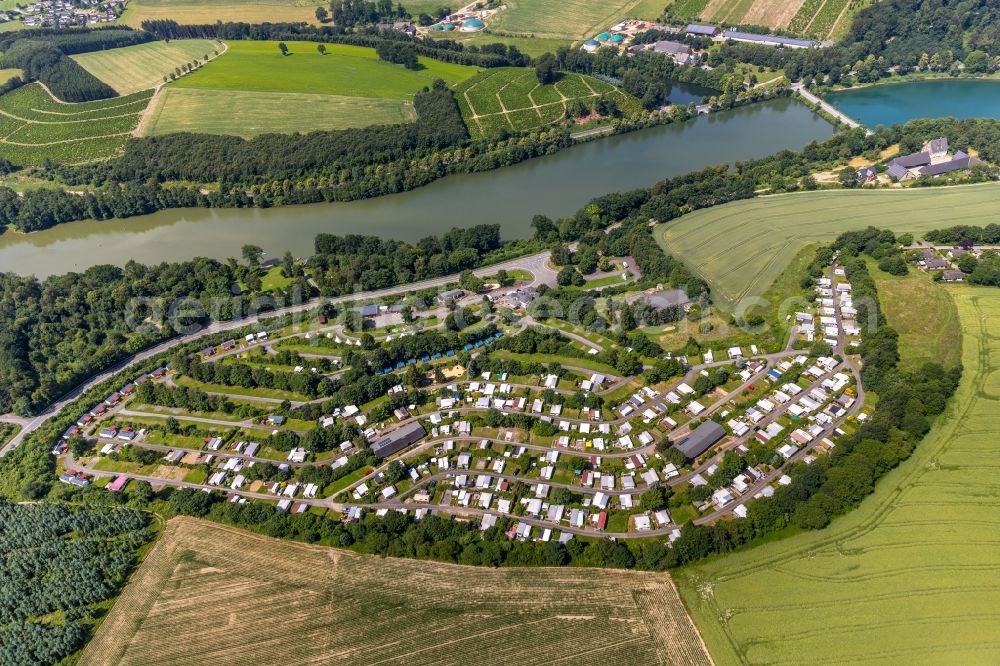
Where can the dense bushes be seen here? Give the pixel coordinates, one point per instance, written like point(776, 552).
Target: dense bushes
point(60, 560)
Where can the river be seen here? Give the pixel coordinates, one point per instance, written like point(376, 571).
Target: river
point(555, 185)
point(899, 102)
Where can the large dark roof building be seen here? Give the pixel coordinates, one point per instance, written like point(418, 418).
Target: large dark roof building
point(957, 163)
point(397, 440)
point(701, 439)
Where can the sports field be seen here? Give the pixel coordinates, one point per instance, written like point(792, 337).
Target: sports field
point(134, 68)
point(822, 19)
point(910, 577)
point(248, 114)
point(237, 598)
point(34, 126)
point(511, 98)
point(569, 19)
point(741, 248)
point(210, 11)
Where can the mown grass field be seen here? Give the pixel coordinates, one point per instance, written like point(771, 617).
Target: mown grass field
point(924, 338)
point(252, 89)
point(741, 248)
point(910, 577)
point(134, 68)
point(210, 11)
point(511, 98)
point(293, 603)
point(248, 114)
point(350, 71)
point(34, 126)
point(569, 19)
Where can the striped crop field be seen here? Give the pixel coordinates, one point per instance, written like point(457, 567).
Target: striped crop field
point(910, 576)
point(35, 127)
point(740, 248)
point(511, 98)
point(134, 68)
point(210, 11)
point(238, 598)
point(568, 19)
point(821, 19)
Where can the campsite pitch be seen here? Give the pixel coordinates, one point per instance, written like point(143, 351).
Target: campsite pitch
point(908, 577)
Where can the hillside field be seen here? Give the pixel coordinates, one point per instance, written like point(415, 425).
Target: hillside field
point(252, 89)
point(34, 126)
point(210, 11)
point(822, 19)
point(134, 68)
point(351, 71)
point(511, 98)
point(292, 603)
point(740, 248)
point(247, 114)
point(909, 577)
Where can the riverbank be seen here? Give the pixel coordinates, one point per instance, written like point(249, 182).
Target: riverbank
point(555, 185)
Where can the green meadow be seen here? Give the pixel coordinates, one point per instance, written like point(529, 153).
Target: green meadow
point(350, 71)
point(134, 68)
point(740, 248)
point(909, 577)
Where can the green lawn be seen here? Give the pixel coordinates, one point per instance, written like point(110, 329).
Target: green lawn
point(910, 577)
point(134, 68)
point(545, 359)
point(350, 71)
point(239, 390)
point(740, 248)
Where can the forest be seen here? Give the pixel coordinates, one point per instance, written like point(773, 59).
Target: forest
point(58, 565)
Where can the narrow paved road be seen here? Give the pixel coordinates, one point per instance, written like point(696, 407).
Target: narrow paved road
point(536, 264)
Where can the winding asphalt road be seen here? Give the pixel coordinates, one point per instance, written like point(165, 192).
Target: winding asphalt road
point(536, 264)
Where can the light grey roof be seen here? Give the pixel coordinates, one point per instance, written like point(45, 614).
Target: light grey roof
point(938, 145)
point(398, 439)
point(897, 171)
point(667, 46)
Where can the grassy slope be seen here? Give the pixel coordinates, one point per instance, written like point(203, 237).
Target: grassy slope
point(908, 577)
point(568, 19)
point(350, 71)
point(740, 248)
point(134, 68)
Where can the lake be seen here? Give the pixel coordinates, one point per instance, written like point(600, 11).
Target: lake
point(555, 185)
point(899, 102)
